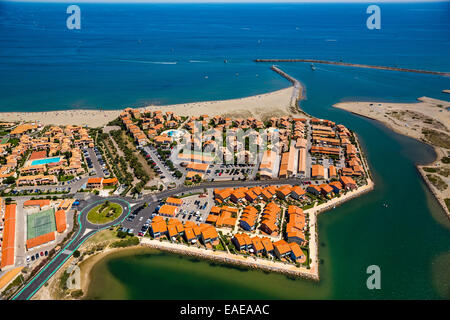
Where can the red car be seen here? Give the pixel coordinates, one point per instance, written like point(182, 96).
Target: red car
point(42, 253)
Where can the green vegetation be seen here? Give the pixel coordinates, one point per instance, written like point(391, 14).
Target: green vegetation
point(132, 241)
point(104, 213)
point(447, 203)
point(445, 160)
point(437, 138)
point(19, 280)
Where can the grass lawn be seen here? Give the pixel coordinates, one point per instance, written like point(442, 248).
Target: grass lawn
point(104, 213)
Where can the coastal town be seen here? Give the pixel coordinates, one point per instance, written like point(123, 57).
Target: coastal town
point(186, 184)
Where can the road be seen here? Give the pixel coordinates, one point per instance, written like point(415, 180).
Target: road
point(86, 230)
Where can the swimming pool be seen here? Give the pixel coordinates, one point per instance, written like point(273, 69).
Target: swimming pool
point(45, 161)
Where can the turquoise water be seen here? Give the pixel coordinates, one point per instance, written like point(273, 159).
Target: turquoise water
point(45, 161)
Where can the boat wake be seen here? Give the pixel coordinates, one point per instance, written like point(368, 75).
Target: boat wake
point(149, 62)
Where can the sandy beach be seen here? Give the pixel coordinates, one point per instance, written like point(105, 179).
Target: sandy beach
point(427, 121)
point(261, 106)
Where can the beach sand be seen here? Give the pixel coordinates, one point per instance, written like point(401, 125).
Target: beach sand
point(411, 119)
point(261, 106)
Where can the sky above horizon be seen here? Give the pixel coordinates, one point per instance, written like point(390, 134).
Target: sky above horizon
point(227, 1)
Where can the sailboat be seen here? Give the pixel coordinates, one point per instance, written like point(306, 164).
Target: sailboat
point(313, 67)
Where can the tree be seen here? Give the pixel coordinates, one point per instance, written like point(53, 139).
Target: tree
point(10, 180)
point(76, 254)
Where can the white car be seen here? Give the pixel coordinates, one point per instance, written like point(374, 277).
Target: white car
point(28, 259)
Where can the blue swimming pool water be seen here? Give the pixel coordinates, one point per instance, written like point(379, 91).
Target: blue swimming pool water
point(45, 161)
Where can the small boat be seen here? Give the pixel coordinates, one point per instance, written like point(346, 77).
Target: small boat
point(225, 61)
point(313, 67)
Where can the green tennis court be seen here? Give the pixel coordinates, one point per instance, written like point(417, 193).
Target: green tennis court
point(40, 223)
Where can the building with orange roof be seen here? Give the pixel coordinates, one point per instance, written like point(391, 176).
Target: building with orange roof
point(174, 201)
point(348, 183)
point(283, 191)
point(257, 245)
point(94, 183)
point(326, 190)
point(9, 235)
point(41, 203)
point(332, 172)
point(222, 194)
point(317, 171)
point(248, 218)
point(242, 241)
point(268, 227)
point(225, 220)
point(60, 219)
point(158, 227)
point(284, 165)
point(337, 187)
point(110, 181)
point(313, 189)
point(297, 253)
point(168, 210)
point(189, 235)
point(268, 245)
point(209, 234)
point(211, 219)
point(238, 195)
point(40, 240)
point(297, 193)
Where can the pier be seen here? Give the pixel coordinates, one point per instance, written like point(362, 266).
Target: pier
point(357, 65)
point(297, 94)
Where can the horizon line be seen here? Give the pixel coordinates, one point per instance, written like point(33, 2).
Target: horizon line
point(224, 1)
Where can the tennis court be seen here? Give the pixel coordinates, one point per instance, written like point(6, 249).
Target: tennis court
point(40, 223)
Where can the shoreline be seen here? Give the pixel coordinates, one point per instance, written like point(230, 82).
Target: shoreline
point(277, 102)
point(355, 107)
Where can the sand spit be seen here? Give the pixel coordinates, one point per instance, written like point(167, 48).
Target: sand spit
point(427, 121)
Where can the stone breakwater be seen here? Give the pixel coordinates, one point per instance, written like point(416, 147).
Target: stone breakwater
point(297, 94)
point(340, 63)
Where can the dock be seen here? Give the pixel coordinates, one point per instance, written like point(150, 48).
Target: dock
point(357, 65)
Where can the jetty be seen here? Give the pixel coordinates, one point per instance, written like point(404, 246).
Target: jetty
point(297, 94)
point(357, 65)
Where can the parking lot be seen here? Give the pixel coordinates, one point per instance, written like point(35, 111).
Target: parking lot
point(139, 220)
point(195, 208)
point(164, 173)
point(94, 160)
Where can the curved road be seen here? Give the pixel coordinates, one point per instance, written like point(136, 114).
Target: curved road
point(85, 230)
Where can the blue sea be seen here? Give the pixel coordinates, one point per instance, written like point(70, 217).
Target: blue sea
point(136, 54)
